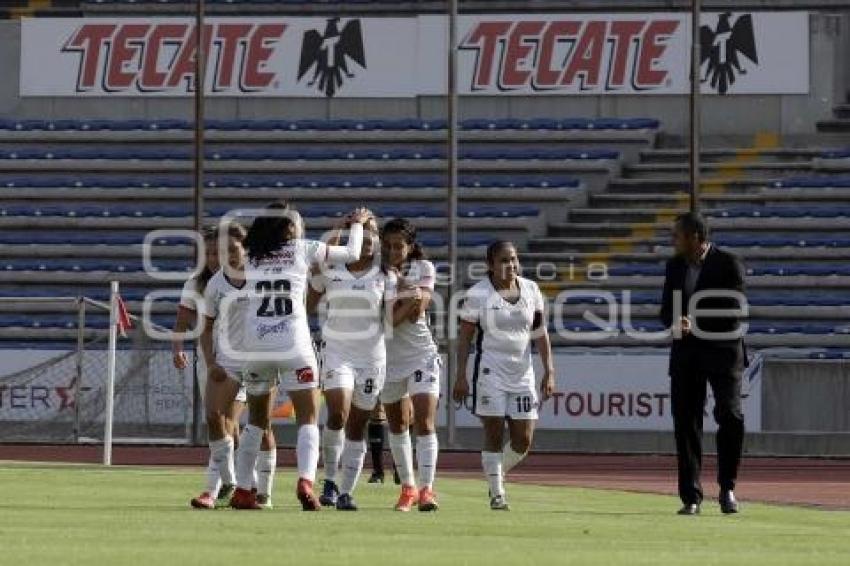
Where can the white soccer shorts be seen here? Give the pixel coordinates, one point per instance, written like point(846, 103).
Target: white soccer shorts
point(365, 384)
point(493, 401)
point(421, 381)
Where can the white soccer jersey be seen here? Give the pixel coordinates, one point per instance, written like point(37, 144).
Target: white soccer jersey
point(190, 298)
point(353, 329)
point(410, 344)
point(229, 329)
point(276, 317)
point(503, 341)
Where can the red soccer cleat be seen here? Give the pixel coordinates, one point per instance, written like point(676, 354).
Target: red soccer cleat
point(304, 491)
point(407, 499)
point(203, 501)
point(427, 500)
point(244, 499)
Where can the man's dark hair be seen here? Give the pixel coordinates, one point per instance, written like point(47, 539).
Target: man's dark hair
point(693, 223)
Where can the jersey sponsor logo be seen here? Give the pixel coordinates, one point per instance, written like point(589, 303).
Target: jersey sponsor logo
point(485, 399)
point(305, 375)
point(284, 253)
point(570, 54)
point(417, 376)
point(486, 371)
point(281, 327)
point(157, 57)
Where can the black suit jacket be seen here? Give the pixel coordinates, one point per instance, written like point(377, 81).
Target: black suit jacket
point(721, 270)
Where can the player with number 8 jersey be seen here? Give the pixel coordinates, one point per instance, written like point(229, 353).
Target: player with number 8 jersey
point(353, 361)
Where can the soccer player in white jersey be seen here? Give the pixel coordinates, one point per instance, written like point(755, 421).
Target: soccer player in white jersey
point(413, 366)
point(276, 342)
point(353, 361)
point(224, 289)
point(506, 313)
point(223, 402)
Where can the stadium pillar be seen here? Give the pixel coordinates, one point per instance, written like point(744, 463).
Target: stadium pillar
point(200, 81)
point(695, 106)
point(451, 187)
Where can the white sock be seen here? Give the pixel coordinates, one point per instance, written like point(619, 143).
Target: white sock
point(246, 456)
point(511, 458)
point(221, 452)
point(307, 452)
point(402, 451)
point(213, 477)
point(331, 450)
point(492, 464)
point(353, 452)
point(266, 464)
point(427, 448)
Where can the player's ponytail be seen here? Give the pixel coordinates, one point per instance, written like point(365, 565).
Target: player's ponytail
point(210, 235)
point(416, 251)
point(268, 234)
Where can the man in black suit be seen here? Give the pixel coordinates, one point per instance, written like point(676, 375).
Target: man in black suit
point(707, 348)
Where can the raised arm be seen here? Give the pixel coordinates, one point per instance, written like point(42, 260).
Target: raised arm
point(351, 251)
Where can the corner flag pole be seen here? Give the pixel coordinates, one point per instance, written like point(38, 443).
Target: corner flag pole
point(695, 105)
point(451, 188)
point(110, 373)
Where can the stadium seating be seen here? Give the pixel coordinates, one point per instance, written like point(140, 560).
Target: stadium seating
point(332, 125)
point(78, 196)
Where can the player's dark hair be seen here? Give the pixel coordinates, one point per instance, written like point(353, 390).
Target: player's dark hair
point(496, 247)
point(693, 223)
point(406, 228)
point(210, 235)
point(268, 234)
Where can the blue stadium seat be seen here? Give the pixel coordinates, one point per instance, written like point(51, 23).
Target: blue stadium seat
point(813, 182)
point(783, 212)
point(290, 181)
point(835, 154)
point(479, 124)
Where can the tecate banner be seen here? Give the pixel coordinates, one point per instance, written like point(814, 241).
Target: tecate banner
point(596, 54)
point(245, 57)
point(629, 391)
point(517, 54)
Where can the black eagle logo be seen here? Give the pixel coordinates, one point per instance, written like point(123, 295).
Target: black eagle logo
point(329, 55)
point(722, 47)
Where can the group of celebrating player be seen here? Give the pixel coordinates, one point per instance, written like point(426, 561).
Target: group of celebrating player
point(253, 298)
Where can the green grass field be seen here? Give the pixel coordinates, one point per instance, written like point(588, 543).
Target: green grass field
point(65, 515)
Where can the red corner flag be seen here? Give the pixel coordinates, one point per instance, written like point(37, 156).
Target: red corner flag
point(124, 322)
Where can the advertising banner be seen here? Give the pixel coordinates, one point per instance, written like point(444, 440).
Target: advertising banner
point(502, 54)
